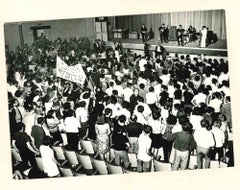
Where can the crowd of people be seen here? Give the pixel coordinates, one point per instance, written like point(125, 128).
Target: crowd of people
point(131, 103)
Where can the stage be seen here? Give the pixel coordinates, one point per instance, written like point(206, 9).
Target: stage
point(218, 48)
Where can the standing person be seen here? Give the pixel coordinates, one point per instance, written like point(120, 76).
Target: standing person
point(184, 143)
point(205, 140)
point(103, 131)
point(203, 38)
point(52, 123)
point(143, 31)
point(146, 50)
point(38, 132)
point(161, 30)
point(48, 160)
point(72, 126)
point(133, 130)
point(219, 137)
point(166, 34)
point(22, 143)
point(179, 35)
point(144, 145)
point(121, 145)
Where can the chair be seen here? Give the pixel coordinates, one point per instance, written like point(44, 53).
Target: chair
point(161, 166)
point(73, 160)
point(223, 165)
point(214, 164)
point(66, 172)
point(59, 154)
point(87, 146)
point(114, 169)
point(192, 162)
point(85, 161)
point(99, 166)
point(16, 156)
point(39, 163)
point(132, 159)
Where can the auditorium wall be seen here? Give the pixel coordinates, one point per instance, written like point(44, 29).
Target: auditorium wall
point(213, 19)
point(64, 29)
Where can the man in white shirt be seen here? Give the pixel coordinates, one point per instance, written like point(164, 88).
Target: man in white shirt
point(143, 156)
point(205, 140)
point(142, 64)
point(72, 126)
point(219, 140)
point(127, 92)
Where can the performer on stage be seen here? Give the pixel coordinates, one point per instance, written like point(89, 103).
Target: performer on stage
point(161, 30)
point(179, 34)
point(143, 31)
point(203, 38)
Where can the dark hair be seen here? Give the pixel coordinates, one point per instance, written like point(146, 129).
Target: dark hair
point(147, 129)
point(172, 119)
point(140, 108)
point(204, 123)
point(46, 140)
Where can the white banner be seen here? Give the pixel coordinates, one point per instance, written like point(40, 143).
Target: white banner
point(72, 73)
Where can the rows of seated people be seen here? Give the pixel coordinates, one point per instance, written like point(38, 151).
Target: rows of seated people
point(134, 113)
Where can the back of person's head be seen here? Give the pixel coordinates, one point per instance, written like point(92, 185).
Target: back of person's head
point(115, 92)
point(182, 120)
point(196, 111)
point(187, 126)
point(122, 119)
point(147, 129)
point(133, 118)
point(67, 105)
point(40, 120)
point(217, 124)
point(204, 123)
point(172, 119)
point(156, 115)
point(108, 112)
point(113, 100)
point(141, 86)
point(82, 104)
point(151, 89)
point(20, 126)
point(50, 114)
point(140, 109)
point(46, 140)
point(68, 113)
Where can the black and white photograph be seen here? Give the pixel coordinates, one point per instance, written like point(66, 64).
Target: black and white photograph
point(130, 94)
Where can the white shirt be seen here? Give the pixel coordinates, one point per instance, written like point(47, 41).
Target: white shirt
point(72, 125)
point(199, 98)
point(141, 119)
point(216, 104)
point(29, 121)
point(218, 136)
point(127, 93)
point(165, 79)
point(156, 125)
point(151, 98)
point(204, 138)
point(49, 166)
point(81, 114)
point(142, 62)
point(125, 112)
point(144, 144)
point(195, 120)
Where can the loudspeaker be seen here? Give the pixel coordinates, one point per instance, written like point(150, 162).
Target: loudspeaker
point(172, 33)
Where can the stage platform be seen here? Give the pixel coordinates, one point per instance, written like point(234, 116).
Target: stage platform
point(218, 48)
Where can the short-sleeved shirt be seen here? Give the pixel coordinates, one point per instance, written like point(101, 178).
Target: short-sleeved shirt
point(119, 141)
point(21, 140)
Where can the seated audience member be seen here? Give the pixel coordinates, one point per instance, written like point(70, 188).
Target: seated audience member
point(50, 164)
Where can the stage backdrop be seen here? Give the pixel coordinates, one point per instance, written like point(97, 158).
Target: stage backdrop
point(213, 19)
